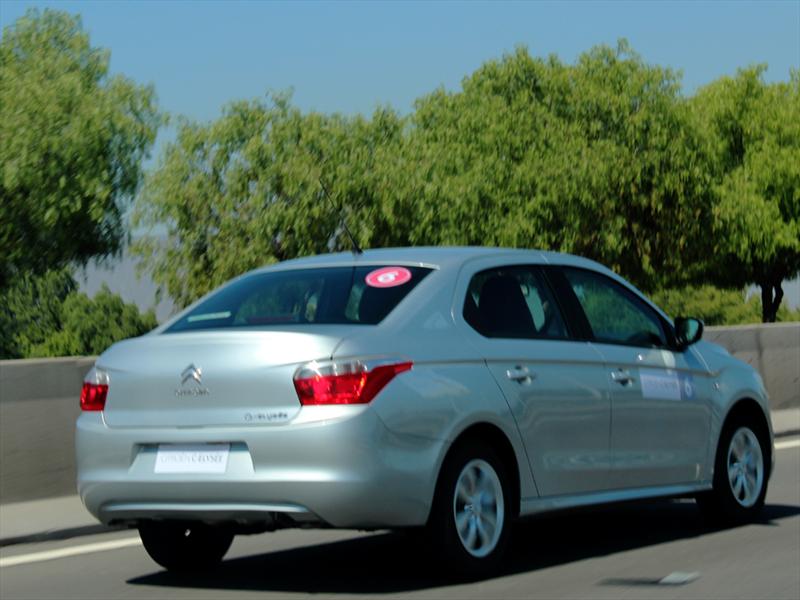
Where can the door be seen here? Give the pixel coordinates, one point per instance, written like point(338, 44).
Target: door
point(660, 397)
point(555, 385)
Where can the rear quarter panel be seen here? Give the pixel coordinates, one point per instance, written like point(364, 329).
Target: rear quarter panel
point(449, 387)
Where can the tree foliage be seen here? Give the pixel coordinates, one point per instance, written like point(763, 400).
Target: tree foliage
point(46, 316)
point(596, 158)
point(690, 198)
point(90, 325)
point(717, 306)
point(30, 311)
point(249, 189)
point(604, 158)
point(72, 138)
point(753, 131)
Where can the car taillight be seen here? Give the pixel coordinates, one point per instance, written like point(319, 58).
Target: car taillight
point(344, 383)
point(95, 390)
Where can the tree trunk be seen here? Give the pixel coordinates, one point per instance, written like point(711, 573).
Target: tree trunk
point(771, 297)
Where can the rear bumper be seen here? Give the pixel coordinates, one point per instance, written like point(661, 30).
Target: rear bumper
point(341, 468)
point(268, 516)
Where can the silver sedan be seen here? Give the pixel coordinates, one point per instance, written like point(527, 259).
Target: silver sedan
point(445, 390)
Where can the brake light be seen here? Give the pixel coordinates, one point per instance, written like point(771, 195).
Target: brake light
point(344, 383)
point(93, 396)
point(95, 390)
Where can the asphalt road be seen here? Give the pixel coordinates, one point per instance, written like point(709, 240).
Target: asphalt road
point(614, 552)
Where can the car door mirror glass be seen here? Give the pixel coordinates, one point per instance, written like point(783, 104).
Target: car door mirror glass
point(688, 330)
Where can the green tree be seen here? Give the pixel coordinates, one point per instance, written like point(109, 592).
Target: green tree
point(30, 310)
point(604, 158)
point(45, 315)
point(247, 190)
point(90, 325)
point(72, 138)
point(753, 131)
point(715, 306)
point(597, 158)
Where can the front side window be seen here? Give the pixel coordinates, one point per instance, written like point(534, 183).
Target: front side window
point(337, 295)
point(512, 302)
point(615, 315)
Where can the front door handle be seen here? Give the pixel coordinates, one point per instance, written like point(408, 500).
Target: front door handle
point(622, 377)
point(520, 374)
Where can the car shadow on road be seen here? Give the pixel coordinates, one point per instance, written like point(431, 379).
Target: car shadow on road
point(394, 562)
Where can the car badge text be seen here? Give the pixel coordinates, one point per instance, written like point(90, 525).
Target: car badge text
point(189, 374)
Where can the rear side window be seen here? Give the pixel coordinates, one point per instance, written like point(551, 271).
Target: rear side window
point(339, 295)
point(512, 302)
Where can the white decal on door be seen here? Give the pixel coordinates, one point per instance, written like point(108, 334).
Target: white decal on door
point(663, 385)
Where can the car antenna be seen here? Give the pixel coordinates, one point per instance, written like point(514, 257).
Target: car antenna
point(356, 248)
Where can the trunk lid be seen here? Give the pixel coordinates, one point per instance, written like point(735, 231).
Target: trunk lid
point(211, 378)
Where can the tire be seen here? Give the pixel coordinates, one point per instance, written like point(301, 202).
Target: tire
point(185, 546)
point(741, 474)
point(472, 493)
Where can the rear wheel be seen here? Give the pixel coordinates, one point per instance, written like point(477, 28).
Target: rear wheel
point(740, 474)
point(180, 546)
point(471, 514)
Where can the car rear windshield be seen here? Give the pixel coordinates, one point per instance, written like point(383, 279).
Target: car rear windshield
point(338, 295)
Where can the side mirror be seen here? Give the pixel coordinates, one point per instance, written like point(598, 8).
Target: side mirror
point(688, 330)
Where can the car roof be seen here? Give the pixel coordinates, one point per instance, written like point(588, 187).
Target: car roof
point(432, 256)
point(438, 257)
point(448, 257)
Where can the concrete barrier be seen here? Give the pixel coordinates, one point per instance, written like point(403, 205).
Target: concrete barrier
point(774, 350)
point(38, 408)
point(39, 405)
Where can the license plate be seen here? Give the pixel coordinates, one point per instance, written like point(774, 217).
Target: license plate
point(192, 458)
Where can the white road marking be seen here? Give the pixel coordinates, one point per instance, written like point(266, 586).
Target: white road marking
point(679, 578)
point(23, 559)
point(787, 444)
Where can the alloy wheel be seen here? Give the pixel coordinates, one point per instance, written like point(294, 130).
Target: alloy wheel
point(745, 467)
point(479, 508)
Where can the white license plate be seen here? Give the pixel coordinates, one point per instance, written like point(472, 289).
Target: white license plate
point(192, 458)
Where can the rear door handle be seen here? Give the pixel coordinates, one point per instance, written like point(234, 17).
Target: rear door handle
point(520, 374)
point(622, 377)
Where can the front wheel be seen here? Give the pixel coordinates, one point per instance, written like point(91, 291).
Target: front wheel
point(185, 546)
point(740, 475)
point(470, 519)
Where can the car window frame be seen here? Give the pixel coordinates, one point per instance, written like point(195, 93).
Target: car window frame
point(558, 274)
point(537, 270)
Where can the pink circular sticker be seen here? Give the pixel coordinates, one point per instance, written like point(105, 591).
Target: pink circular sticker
point(387, 277)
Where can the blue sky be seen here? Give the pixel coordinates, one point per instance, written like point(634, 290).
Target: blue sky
point(354, 56)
